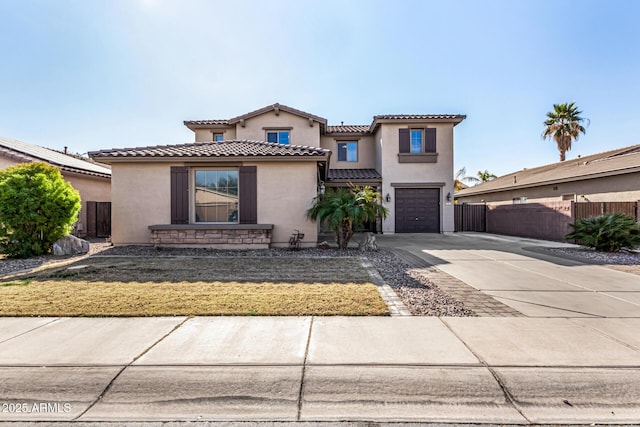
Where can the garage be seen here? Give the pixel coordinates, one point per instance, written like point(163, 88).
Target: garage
point(417, 210)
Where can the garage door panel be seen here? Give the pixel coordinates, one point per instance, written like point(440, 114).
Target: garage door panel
point(417, 210)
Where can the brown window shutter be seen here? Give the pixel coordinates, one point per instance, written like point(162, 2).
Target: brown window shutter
point(248, 195)
point(405, 141)
point(179, 195)
point(430, 140)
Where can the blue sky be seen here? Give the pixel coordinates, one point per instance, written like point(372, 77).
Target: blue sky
point(92, 74)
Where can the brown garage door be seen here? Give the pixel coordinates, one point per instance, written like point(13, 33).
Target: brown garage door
point(417, 210)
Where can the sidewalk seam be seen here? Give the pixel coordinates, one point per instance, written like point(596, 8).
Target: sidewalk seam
point(30, 330)
point(108, 387)
point(495, 375)
point(304, 369)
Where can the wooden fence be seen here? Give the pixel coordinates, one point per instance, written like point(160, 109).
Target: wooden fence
point(547, 221)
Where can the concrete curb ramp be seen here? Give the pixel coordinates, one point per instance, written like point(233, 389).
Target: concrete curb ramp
point(325, 369)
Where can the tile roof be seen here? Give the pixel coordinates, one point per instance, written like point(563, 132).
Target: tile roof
point(232, 148)
point(353, 174)
point(614, 162)
point(22, 151)
point(273, 107)
point(348, 129)
point(420, 117)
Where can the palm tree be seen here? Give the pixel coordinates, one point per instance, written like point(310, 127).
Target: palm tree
point(564, 125)
point(485, 176)
point(461, 178)
point(346, 209)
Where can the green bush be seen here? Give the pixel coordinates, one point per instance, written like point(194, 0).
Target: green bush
point(37, 207)
point(607, 233)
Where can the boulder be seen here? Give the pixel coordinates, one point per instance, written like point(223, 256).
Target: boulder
point(70, 245)
point(324, 245)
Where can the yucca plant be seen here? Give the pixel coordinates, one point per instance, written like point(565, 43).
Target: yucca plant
point(607, 233)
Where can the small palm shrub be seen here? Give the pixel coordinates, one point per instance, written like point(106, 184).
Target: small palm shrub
point(607, 233)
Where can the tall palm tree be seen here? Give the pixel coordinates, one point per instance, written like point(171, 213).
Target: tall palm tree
point(485, 176)
point(346, 209)
point(564, 125)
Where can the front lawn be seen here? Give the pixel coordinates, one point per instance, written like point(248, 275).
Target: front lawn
point(130, 286)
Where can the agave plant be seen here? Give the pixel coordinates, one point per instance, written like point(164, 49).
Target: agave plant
point(607, 233)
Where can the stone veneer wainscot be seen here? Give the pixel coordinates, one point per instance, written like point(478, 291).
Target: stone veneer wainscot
point(215, 236)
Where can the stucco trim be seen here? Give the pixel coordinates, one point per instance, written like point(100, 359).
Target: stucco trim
point(417, 157)
point(417, 184)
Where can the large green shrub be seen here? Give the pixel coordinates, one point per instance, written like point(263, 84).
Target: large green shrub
point(607, 233)
point(37, 207)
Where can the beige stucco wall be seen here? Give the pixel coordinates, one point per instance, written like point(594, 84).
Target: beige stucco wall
point(91, 188)
point(140, 197)
point(301, 134)
point(621, 188)
point(206, 135)
point(366, 151)
point(285, 192)
point(416, 173)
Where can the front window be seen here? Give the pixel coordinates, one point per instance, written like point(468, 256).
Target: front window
point(218, 137)
point(216, 196)
point(278, 137)
point(347, 151)
point(416, 140)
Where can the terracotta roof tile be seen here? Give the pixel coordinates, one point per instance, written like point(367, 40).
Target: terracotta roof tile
point(234, 148)
point(420, 117)
point(614, 162)
point(206, 122)
point(353, 174)
point(348, 129)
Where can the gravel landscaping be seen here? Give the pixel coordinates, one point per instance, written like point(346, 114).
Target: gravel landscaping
point(422, 297)
point(622, 261)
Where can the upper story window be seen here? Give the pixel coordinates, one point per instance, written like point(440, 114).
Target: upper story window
point(417, 141)
point(278, 136)
point(348, 151)
point(216, 195)
point(218, 137)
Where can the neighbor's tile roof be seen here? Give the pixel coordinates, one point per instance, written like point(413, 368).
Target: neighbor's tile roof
point(614, 162)
point(23, 152)
point(354, 174)
point(232, 148)
point(348, 129)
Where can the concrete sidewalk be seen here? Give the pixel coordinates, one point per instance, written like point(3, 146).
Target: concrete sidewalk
point(437, 370)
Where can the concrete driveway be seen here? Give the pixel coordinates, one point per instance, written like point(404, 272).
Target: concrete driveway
point(522, 274)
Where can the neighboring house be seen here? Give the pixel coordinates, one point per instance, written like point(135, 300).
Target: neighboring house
point(610, 176)
point(91, 179)
point(248, 181)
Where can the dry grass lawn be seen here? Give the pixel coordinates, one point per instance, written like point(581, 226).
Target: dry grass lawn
point(119, 286)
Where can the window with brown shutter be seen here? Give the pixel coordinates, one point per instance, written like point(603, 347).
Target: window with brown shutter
point(179, 195)
point(248, 195)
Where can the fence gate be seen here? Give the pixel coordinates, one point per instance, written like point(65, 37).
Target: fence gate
point(470, 217)
point(98, 219)
point(582, 210)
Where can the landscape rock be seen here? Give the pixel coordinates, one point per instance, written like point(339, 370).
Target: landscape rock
point(70, 245)
point(324, 245)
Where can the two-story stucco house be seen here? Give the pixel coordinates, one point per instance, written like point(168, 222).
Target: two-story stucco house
point(248, 181)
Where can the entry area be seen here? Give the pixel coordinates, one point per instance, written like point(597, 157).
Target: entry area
point(417, 210)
